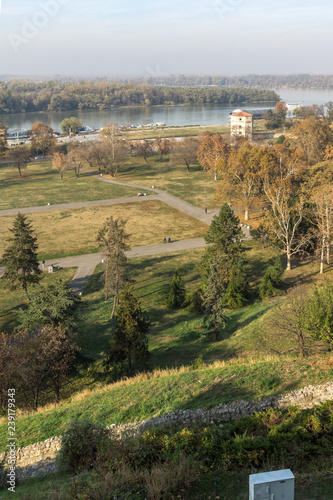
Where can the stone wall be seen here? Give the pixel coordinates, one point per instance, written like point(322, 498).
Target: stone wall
point(39, 458)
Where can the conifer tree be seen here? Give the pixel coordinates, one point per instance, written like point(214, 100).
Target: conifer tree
point(271, 282)
point(234, 295)
point(54, 304)
point(214, 299)
point(225, 234)
point(177, 292)
point(112, 239)
point(20, 257)
point(128, 341)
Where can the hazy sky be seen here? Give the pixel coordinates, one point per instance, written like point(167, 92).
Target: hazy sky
point(157, 37)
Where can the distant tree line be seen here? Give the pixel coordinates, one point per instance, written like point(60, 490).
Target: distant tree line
point(23, 96)
point(299, 81)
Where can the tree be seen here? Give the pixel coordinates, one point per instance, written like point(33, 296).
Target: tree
point(318, 320)
point(143, 148)
point(281, 171)
point(71, 125)
point(321, 214)
point(129, 341)
point(42, 138)
point(225, 234)
point(112, 240)
point(59, 162)
point(271, 282)
point(20, 256)
point(213, 153)
point(162, 146)
point(19, 157)
point(185, 151)
point(177, 292)
point(312, 136)
point(234, 296)
point(113, 148)
point(75, 159)
point(54, 304)
point(41, 359)
point(240, 179)
point(214, 298)
point(287, 324)
point(3, 138)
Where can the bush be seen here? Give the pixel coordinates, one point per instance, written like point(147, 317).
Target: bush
point(271, 282)
point(80, 444)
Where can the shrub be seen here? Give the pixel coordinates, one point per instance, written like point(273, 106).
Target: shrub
point(80, 444)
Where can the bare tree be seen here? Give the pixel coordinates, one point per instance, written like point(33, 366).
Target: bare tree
point(143, 148)
point(19, 157)
point(185, 151)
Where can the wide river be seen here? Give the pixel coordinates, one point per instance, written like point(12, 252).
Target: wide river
point(170, 115)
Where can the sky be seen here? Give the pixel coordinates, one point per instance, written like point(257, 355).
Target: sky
point(164, 37)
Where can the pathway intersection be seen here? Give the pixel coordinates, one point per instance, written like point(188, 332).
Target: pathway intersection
point(86, 264)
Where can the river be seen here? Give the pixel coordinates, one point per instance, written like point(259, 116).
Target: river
point(170, 115)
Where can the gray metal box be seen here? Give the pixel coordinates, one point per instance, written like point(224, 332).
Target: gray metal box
point(277, 485)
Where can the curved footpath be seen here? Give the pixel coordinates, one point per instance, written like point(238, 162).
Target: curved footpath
point(86, 263)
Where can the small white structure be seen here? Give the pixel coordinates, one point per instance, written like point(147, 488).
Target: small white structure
point(277, 485)
point(241, 125)
point(51, 269)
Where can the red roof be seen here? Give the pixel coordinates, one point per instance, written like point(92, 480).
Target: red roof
point(242, 113)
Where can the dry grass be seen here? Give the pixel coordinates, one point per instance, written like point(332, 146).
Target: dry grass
point(73, 232)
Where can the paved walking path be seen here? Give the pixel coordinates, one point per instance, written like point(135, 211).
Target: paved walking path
point(86, 263)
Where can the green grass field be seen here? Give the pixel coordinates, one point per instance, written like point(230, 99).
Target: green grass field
point(196, 187)
point(40, 185)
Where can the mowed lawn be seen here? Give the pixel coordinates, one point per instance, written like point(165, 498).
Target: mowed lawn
point(40, 185)
point(196, 187)
point(73, 232)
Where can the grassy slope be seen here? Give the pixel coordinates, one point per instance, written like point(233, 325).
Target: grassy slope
point(175, 340)
point(72, 232)
point(143, 398)
point(40, 185)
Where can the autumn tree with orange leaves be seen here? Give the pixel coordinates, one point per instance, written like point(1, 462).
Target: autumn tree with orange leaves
point(42, 138)
point(240, 179)
point(213, 153)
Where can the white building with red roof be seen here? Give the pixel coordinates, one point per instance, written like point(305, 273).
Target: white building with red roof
point(241, 124)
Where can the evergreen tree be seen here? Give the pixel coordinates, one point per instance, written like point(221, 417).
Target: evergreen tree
point(20, 257)
point(177, 292)
point(128, 340)
point(54, 304)
point(234, 295)
point(214, 299)
point(225, 234)
point(271, 282)
point(112, 240)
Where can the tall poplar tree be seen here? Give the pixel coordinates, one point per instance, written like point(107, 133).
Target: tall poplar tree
point(112, 239)
point(20, 257)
